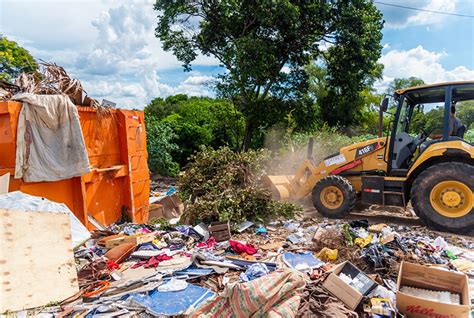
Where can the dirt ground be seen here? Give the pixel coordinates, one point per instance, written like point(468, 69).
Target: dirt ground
point(393, 216)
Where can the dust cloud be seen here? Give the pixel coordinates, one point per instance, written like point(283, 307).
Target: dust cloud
point(289, 152)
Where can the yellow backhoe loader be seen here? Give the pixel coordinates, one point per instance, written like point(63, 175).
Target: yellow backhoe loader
point(434, 172)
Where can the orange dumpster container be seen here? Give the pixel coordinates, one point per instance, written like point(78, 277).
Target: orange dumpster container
point(119, 181)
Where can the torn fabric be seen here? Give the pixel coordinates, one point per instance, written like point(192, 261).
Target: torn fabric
point(273, 295)
point(49, 145)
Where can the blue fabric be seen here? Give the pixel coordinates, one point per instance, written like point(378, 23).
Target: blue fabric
point(172, 303)
point(254, 271)
point(261, 230)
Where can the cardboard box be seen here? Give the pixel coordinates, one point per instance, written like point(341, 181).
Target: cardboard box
point(137, 239)
point(431, 278)
point(155, 211)
point(346, 293)
point(168, 207)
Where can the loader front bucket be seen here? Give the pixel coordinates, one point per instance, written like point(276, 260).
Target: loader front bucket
point(280, 186)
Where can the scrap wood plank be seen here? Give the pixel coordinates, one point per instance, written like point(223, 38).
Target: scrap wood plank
point(4, 182)
point(220, 230)
point(36, 259)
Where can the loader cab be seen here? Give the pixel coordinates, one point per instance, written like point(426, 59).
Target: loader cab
point(423, 118)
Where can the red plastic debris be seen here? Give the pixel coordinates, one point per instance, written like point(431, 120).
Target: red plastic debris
point(240, 248)
point(153, 261)
point(210, 243)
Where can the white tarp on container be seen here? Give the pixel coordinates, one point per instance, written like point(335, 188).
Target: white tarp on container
point(49, 145)
point(20, 201)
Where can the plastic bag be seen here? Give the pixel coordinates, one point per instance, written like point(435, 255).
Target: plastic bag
point(173, 285)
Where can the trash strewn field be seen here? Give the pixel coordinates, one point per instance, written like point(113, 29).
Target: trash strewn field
point(301, 267)
point(213, 243)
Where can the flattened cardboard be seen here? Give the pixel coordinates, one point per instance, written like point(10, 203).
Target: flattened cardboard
point(340, 289)
point(434, 279)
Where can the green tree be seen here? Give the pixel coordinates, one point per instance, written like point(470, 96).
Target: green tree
point(364, 107)
point(465, 112)
point(431, 121)
point(197, 121)
point(264, 46)
point(160, 146)
point(189, 136)
point(351, 62)
point(368, 117)
point(14, 60)
point(160, 108)
point(399, 83)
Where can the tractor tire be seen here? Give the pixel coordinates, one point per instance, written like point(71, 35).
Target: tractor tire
point(442, 197)
point(334, 197)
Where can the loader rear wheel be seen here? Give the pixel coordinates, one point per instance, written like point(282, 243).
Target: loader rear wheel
point(334, 197)
point(442, 197)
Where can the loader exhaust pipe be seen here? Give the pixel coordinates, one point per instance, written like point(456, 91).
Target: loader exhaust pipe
point(309, 155)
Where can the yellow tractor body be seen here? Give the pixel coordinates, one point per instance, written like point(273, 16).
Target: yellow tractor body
point(436, 174)
point(363, 156)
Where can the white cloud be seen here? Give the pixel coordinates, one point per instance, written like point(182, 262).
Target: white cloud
point(110, 45)
point(397, 18)
point(430, 18)
point(421, 63)
point(136, 95)
point(198, 80)
point(195, 85)
point(128, 57)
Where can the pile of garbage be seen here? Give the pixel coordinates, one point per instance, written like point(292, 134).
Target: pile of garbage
point(290, 268)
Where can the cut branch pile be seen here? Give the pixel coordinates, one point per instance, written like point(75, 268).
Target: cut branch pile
point(51, 79)
point(221, 185)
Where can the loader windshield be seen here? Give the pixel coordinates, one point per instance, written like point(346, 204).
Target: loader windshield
point(413, 117)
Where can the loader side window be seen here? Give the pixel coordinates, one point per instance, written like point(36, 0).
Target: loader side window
point(403, 119)
point(464, 107)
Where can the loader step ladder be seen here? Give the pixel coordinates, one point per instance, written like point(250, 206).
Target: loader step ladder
point(402, 194)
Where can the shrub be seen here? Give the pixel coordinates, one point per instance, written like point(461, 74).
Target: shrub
point(225, 185)
point(469, 135)
point(159, 146)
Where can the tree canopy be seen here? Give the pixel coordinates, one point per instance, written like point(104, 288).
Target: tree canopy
point(14, 60)
point(399, 83)
point(264, 46)
point(195, 121)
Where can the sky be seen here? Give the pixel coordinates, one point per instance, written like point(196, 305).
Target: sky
point(110, 45)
